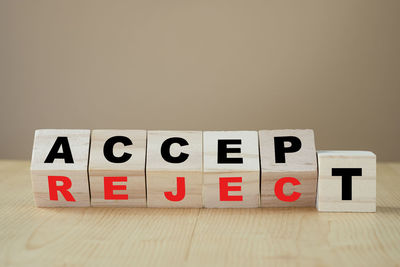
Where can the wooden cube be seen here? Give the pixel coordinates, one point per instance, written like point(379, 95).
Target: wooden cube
point(174, 169)
point(288, 168)
point(231, 169)
point(346, 181)
point(59, 168)
point(117, 168)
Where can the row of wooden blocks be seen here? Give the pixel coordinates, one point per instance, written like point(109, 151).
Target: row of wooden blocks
point(192, 169)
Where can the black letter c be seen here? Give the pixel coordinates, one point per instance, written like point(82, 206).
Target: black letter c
point(109, 145)
point(165, 150)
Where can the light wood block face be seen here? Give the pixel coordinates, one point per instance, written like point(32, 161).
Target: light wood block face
point(59, 168)
point(117, 168)
point(347, 181)
point(174, 162)
point(288, 153)
point(231, 169)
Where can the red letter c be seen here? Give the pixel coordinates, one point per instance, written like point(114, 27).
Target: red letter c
point(279, 189)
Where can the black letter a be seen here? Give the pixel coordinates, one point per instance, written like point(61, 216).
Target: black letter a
point(65, 154)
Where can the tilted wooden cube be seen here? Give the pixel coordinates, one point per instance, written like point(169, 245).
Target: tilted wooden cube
point(59, 168)
point(231, 169)
point(174, 169)
point(288, 168)
point(346, 181)
point(117, 168)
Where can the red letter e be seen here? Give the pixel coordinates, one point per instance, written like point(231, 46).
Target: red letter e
point(224, 188)
point(109, 187)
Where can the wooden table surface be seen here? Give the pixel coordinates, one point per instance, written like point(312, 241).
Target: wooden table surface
point(202, 237)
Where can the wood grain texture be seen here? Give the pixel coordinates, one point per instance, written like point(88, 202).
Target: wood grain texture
point(195, 237)
point(329, 193)
point(161, 176)
point(248, 170)
point(301, 165)
point(78, 141)
point(133, 169)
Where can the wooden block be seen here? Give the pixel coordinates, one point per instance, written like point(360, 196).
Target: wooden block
point(59, 168)
point(117, 168)
point(346, 181)
point(174, 169)
point(288, 168)
point(231, 169)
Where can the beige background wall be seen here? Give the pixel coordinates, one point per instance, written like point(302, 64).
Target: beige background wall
point(333, 66)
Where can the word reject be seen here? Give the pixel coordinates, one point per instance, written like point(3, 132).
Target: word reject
point(194, 169)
